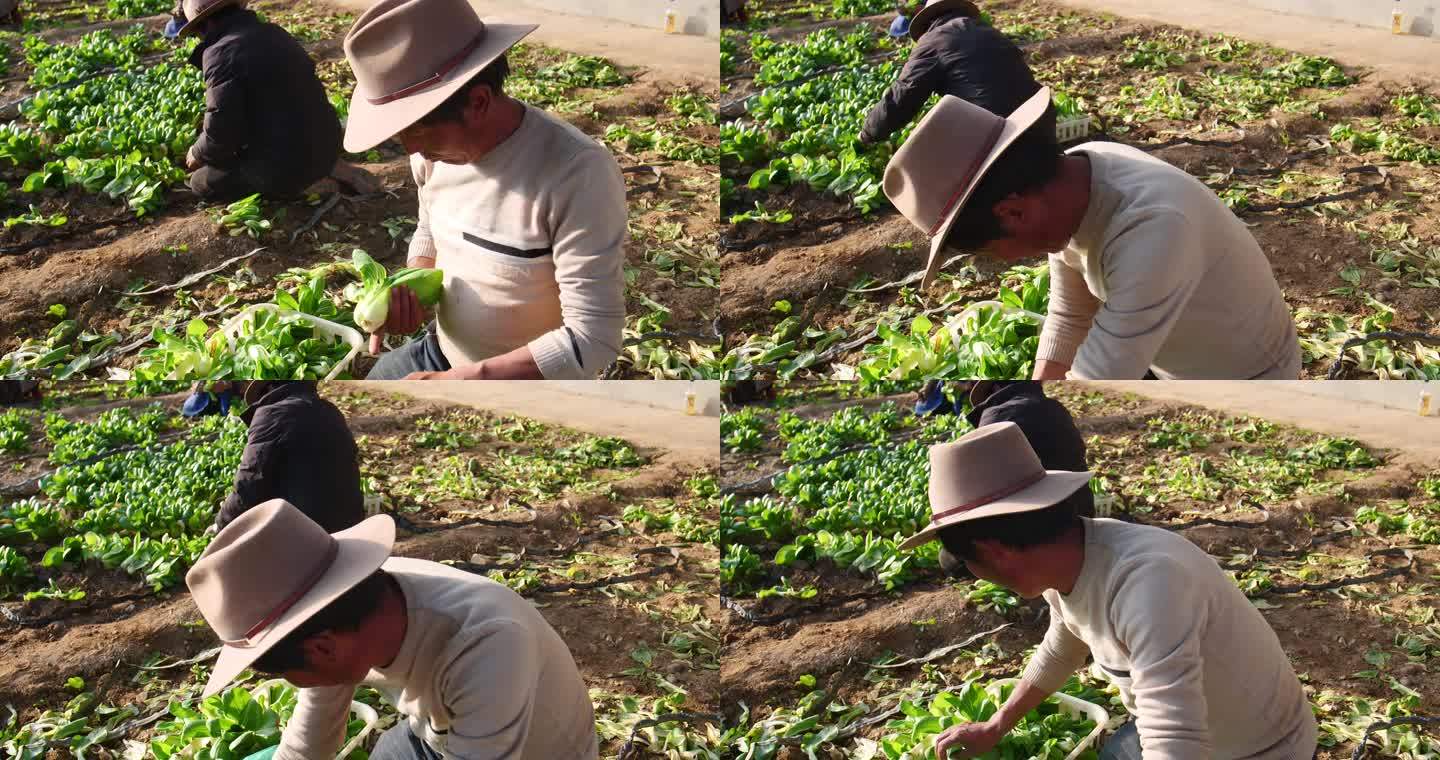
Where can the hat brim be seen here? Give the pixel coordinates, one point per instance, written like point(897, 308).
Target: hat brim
point(1049, 491)
point(362, 550)
point(1016, 123)
point(369, 124)
point(927, 15)
point(190, 23)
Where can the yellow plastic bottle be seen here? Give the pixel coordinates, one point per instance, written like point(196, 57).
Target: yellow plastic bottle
point(672, 20)
point(1397, 20)
point(1425, 403)
point(690, 408)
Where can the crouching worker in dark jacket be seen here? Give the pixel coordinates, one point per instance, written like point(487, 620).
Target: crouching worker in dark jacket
point(269, 127)
point(955, 54)
point(300, 450)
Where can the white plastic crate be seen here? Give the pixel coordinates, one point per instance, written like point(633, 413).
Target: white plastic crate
point(1070, 706)
point(348, 335)
point(1072, 129)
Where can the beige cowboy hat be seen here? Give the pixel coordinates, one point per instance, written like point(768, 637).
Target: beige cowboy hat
point(198, 10)
point(990, 471)
point(934, 9)
point(933, 174)
point(409, 56)
point(271, 570)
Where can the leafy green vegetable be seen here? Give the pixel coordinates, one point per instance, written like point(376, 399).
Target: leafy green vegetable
point(14, 570)
point(271, 346)
point(243, 217)
point(995, 342)
point(1045, 733)
point(372, 306)
point(15, 429)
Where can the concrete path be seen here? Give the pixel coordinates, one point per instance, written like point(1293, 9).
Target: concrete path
point(667, 56)
point(1403, 431)
point(697, 436)
point(1393, 57)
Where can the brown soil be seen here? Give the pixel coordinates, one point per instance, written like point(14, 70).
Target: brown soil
point(1328, 635)
point(87, 271)
point(812, 258)
point(602, 627)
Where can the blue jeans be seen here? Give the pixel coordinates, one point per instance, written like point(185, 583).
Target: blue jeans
point(400, 743)
point(421, 355)
point(1124, 744)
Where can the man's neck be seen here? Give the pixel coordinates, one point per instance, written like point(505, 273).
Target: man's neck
point(1072, 193)
point(394, 624)
point(509, 113)
point(1069, 562)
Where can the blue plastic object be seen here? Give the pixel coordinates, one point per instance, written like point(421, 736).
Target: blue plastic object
point(935, 403)
point(196, 405)
point(225, 397)
point(264, 754)
point(172, 29)
point(900, 26)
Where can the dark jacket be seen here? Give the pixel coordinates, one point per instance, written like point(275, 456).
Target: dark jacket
point(265, 110)
point(957, 56)
point(300, 450)
point(1047, 425)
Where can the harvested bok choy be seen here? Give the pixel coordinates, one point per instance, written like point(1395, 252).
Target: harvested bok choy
point(372, 298)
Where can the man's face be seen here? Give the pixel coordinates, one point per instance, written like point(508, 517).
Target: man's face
point(1029, 229)
point(444, 142)
point(332, 658)
point(453, 141)
point(1005, 567)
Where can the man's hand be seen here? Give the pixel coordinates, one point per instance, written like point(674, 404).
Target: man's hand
point(191, 162)
point(405, 317)
point(449, 374)
point(972, 739)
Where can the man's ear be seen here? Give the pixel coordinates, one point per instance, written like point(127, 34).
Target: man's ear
point(321, 649)
point(478, 104)
point(1014, 214)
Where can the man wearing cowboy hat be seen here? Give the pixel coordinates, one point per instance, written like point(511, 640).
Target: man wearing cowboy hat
point(1149, 271)
point(955, 54)
point(1196, 664)
point(523, 212)
point(473, 667)
point(269, 127)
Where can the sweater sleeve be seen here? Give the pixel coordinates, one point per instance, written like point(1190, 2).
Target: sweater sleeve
point(317, 728)
point(225, 120)
point(589, 224)
point(1071, 311)
point(258, 478)
point(1166, 666)
point(919, 79)
point(492, 722)
point(1152, 270)
point(422, 244)
point(1057, 658)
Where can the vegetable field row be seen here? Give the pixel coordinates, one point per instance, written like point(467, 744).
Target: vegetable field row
point(91, 168)
point(636, 562)
point(1314, 156)
point(1334, 543)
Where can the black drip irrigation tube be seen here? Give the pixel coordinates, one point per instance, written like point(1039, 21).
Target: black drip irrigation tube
point(674, 717)
point(1407, 720)
point(1426, 338)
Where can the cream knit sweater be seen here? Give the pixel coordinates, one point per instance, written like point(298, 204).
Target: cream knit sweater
point(480, 676)
point(1161, 275)
point(532, 241)
point(1197, 665)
